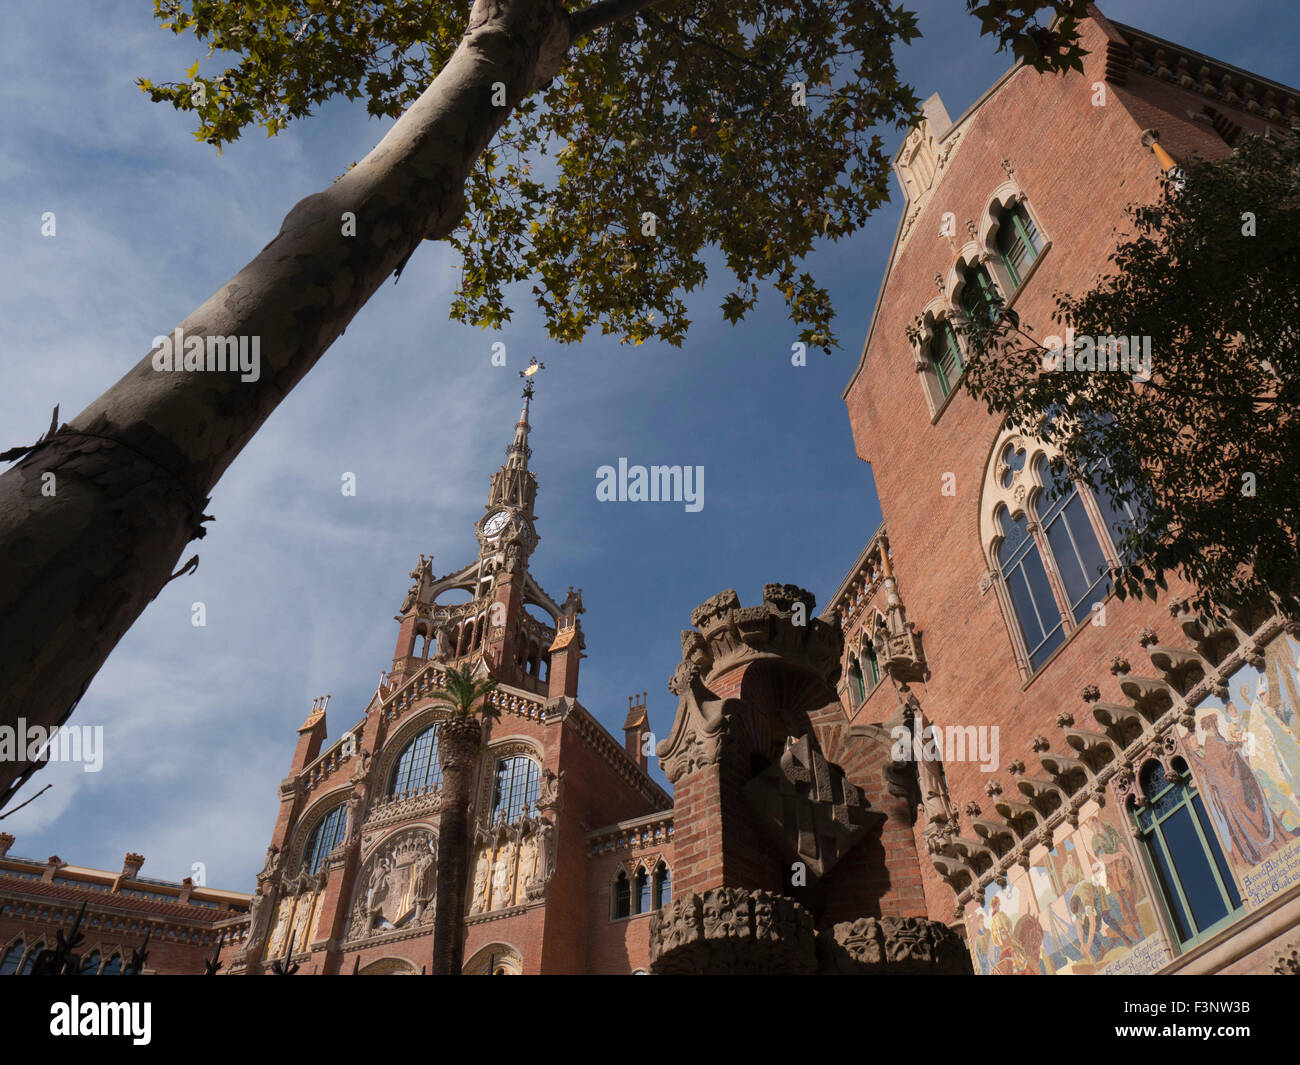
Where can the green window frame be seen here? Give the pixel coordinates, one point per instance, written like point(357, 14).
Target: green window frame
point(1019, 242)
point(873, 666)
point(855, 677)
point(1184, 855)
point(945, 355)
point(979, 291)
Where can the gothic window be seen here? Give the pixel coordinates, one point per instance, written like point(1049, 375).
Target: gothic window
point(518, 785)
point(1120, 518)
point(1025, 579)
point(872, 671)
point(1075, 548)
point(9, 963)
point(662, 886)
point(29, 961)
point(857, 689)
point(642, 893)
point(1019, 241)
point(327, 835)
point(945, 357)
point(1198, 890)
point(114, 966)
point(979, 296)
point(622, 896)
point(90, 966)
point(417, 766)
point(1052, 545)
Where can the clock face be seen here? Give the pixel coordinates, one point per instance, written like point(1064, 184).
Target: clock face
point(495, 523)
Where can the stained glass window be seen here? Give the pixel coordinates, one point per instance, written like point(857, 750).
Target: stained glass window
point(518, 786)
point(327, 835)
point(417, 766)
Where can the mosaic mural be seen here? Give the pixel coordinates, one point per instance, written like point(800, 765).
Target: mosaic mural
point(1081, 909)
point(1245, 756)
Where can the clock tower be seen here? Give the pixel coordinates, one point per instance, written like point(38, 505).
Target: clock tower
point(495, 631)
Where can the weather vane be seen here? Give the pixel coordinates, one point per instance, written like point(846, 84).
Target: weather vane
point(527, 374)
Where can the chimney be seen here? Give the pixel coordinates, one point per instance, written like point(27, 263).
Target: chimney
point(635, 727)
point(6, 841)
point(131, 865)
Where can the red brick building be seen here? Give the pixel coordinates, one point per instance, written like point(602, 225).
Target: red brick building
point(1103, 785)
point(182, 923)
point(572, 839)
point(974, 759)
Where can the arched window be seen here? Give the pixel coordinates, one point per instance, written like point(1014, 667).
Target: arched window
point(1025, 579)
point(662, 886)
point(417, 766)
point(945, 357)
point(9, 963)
point(978, 293)
point(90, 965)
point(114, 966)
point(642, 890)
point(1019, 242)
point(518, 786)
point(1075, 548)
point(622, 895)
point(327, 835)
point(872, 672)
point(1199, 892)
point(1051, 543)
point(857, 688)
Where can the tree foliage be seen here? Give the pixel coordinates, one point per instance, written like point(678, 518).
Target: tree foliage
point(683, 128)
point(464, 690)
point(1208, 449)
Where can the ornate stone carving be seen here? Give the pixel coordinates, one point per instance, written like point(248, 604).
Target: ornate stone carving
point(889, 946)
point(396, 885)
point(733, 931)
point(809, 809)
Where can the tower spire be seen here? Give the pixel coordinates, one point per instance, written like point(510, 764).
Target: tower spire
point(518, 453)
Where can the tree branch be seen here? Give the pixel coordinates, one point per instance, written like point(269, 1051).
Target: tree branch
point(602, 14)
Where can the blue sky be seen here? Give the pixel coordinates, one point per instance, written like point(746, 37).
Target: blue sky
point(300, 583)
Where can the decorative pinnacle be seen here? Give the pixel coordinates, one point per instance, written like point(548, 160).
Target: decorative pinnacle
point(528, 372)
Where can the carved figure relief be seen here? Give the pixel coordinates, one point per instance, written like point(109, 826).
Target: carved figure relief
point(396, 885)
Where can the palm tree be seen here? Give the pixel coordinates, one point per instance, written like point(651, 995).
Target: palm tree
point(460, 738)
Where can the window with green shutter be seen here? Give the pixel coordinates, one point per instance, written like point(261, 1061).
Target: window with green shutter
point(1019, 242)
point(946, 357)
point(979, 294)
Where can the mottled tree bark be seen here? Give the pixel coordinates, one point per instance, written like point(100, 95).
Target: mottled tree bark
point(459, 741)
point(132, 472)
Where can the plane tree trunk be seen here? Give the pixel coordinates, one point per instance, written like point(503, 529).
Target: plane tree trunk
point(94, 519)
